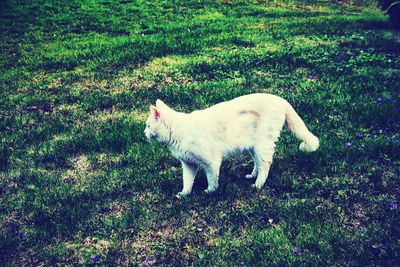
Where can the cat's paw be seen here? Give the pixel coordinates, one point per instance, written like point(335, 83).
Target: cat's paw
point(181, 195)
point(257, 186)
point(210, 190)
point(249, 176)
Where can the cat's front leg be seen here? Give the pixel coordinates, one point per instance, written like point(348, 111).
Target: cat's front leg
point(212, 173)
point(189, 171)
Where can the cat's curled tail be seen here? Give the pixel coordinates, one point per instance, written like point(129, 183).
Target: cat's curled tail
point(296, 125)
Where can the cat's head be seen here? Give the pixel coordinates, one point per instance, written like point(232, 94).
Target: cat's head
point(156, 126)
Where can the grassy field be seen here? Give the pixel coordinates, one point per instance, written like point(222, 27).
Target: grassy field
point(79, 184)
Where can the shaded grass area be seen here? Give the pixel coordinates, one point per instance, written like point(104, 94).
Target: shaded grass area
point(79, 184)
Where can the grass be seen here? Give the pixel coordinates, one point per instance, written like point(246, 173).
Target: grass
point(80, 185)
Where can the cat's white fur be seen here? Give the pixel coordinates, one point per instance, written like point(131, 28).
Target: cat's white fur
point(203, 138)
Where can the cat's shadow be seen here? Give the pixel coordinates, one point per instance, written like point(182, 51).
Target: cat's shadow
point(232, 180)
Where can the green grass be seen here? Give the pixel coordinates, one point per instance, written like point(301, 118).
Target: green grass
point(79, 184)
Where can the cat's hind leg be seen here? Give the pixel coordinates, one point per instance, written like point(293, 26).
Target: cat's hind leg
point(255, 168)
point(264, 161)
point(189, 171)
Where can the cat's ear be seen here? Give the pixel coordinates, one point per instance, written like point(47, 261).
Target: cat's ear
point(155, 112)
point(160, 104)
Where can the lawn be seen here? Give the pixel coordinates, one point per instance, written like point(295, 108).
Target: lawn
point(79, 183)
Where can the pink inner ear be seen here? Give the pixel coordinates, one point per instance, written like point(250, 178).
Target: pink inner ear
point(155, 113)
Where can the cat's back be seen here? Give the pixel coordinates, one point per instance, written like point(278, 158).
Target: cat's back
point(235, 124)
point(252, 102)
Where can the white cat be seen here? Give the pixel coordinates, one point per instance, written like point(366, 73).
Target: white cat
point(204, 138)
